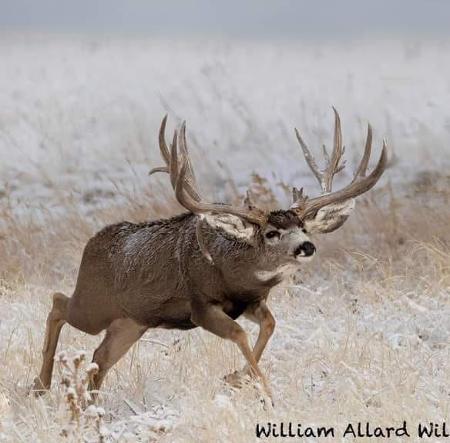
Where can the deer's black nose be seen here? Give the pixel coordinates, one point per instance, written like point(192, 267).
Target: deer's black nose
point(306, 249)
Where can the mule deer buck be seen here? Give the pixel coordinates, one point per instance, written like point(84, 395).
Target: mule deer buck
point(205, 267)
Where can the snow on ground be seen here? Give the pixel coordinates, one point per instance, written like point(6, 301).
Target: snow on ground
point(362, 334)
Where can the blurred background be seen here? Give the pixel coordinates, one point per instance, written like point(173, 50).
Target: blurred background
point(322, 19)
point(84, 86)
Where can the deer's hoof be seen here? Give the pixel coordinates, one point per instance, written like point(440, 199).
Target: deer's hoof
point(38, 388)
point(237, 379)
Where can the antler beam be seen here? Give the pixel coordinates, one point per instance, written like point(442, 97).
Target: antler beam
point(182, 178)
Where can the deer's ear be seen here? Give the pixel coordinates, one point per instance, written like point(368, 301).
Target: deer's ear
point(232, 225)
point(329, 218)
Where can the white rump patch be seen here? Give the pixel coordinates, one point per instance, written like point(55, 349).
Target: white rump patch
point(231, 224)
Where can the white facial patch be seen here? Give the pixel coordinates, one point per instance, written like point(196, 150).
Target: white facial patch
point(330, 218)
point(231, 224)
point(300, 237)
point(297, 236)
point(304, 258)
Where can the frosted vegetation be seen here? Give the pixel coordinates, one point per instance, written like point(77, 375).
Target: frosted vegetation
point(362, 332)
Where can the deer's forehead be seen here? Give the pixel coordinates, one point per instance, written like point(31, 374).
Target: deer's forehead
point(284, 220)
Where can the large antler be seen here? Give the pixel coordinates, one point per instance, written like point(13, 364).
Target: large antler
point(307, 208)
point(179, 167)
point(166, 154)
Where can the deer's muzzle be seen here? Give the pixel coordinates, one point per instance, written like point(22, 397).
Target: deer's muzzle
point(306, 249)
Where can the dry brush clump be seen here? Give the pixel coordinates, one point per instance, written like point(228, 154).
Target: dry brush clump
point(70, 414)
point(84, 420)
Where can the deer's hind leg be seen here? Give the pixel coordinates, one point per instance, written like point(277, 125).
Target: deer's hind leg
point(121, 334)
point(55, 321)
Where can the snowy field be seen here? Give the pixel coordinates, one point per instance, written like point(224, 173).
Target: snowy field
point(362, 333)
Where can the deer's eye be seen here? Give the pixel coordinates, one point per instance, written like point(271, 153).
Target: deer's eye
point(273, 234)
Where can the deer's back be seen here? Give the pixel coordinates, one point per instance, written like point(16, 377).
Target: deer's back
point(133, 270)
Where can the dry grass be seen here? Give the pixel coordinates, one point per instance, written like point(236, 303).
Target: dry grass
point(362, 333)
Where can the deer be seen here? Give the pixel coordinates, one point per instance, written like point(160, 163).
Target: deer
point(203, 268)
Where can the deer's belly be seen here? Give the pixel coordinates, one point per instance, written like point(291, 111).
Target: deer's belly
point(173, 313)
point(178, 324)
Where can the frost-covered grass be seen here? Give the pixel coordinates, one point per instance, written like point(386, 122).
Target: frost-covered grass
point(81, 115)
point(362, 333)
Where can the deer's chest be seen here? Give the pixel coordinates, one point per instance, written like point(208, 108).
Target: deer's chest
point(236, 304)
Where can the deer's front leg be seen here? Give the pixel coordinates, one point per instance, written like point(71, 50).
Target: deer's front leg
point(260, 314)
point(213, 319)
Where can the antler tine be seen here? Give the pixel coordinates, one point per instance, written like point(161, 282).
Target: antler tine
point(189, 204)
point(191, 184)
point(333, 162)
point(296, 193)
point(361, 171)
point(299, 199)
point(309, 158)
point(184, 149)
point(162, 141)
point(165, 154)
point(173, 163)
point(326, 156)
point(158, 169)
